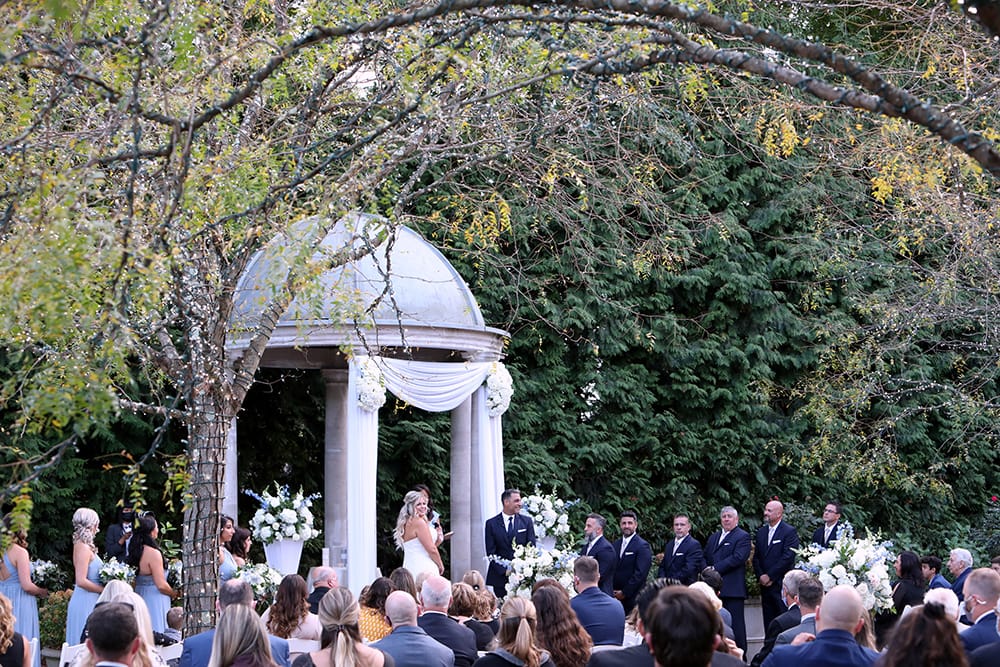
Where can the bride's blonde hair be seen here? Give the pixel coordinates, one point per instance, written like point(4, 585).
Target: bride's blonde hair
point(406, 512)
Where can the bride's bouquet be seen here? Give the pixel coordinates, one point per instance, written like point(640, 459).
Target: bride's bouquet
point(114, 569)
point(47, 574)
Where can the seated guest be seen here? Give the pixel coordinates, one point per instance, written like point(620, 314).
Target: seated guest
point(324, 578)
point(712, 577)
point(14, 648)
point(289, 617)
point(784, 620)
point(408, 644)
point(198, 649)
point(112, 635)
point(516, 641)
point(982, 590)
point(960, 565)
point(557, 629)
point(716, 603)
point(680, 628)
point(930, 567)
point(475, 579)
point(946, 598)
point(240, 640)
point(175, 624)
point(810, 597)
point(372, 621)
point(600, 614)
point(464, 603)
point(924, 638)
point(403, 581)
point(342, 644)
point(995, 564)
point(839, 617)
point(434, 620)
point(487, 611)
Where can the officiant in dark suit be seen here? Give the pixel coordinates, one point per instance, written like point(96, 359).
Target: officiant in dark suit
point(635, 557)
point(599, 548)
point(682, 556)
point(502, 532)
point(773, 557)
point(727, 551)
point(830, 530)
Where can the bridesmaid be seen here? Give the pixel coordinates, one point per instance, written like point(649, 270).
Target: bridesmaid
point(87, 573)
point(240, 546)
point(227, 564)
point(150, 570)
point(16, 585)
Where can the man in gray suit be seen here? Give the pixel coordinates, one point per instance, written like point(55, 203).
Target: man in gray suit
point(408, 644)
point(809, 597)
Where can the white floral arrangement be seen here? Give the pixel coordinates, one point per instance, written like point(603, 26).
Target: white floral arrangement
point(499, 389)
point(861, 563)
point(283, 516)
point(175, 573)
point(115, 569)
point(531, 564)
point(548, 512)
point(371, 385)
point(48, 575)
point(262, 579)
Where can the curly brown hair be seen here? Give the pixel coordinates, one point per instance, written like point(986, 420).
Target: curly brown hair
point(6, 624)
point(559, 630)
point(291, 605)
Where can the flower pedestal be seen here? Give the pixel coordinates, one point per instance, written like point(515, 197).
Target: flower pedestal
point(284, 555)
point(547, 543)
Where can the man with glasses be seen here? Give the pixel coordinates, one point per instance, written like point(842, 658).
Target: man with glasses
point(830, 530)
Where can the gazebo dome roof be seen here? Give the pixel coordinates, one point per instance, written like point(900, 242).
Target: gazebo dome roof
point(402, 294)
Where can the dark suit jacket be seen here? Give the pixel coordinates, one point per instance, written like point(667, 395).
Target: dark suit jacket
point(831, 648)
point(985, 656)
point(775, 559)
point(639, 656)
point(788, 619)
point(959, 584)
point(498, 544)
point(685, 564)
point(607, 559)
point(460, 639)
point(786, 637)
point(600, 615)
point(198, 649)
point(633, 567)
point(410, 646)
point(982, 633)
point(314, 598)
point(730, 560)
point(818, 535)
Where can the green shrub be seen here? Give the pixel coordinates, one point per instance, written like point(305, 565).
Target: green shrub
point(52, 619)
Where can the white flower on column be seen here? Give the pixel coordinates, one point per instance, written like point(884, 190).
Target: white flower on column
point(499, 389)
point(371, 385)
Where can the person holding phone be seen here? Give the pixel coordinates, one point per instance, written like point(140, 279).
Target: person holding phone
point(118, 535)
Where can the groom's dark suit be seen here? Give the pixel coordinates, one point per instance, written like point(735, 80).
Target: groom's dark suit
point(499, 543)
point(730, 560)
point(633, 568)
point(607, 560)
point(774, 560)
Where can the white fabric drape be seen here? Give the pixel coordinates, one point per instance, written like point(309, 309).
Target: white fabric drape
point(435, 387)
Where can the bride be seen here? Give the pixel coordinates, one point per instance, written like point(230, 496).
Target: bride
point(415, 536)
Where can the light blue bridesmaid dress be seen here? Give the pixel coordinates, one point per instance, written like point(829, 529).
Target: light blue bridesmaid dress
point(25, 606)
point(82, 603)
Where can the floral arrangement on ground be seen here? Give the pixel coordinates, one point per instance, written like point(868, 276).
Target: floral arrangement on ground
point(861, 563)
point(283, 515)
point(531, 564)
point(115, 569)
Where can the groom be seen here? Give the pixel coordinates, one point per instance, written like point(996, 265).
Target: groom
point(502, 532)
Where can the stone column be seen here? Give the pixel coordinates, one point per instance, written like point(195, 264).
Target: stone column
point(461, 490)
point(478, 514)
point(230, 476)
point(335, 470)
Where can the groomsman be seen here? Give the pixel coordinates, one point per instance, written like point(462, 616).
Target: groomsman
point(502, 532)
point(772, 558)
point(682, 556)
point(598, 548)
point(830, 530)
point(635, 557)
point(727, 551)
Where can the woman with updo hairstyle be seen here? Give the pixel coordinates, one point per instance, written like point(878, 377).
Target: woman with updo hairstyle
point(475, 579)
point(86, 573)
point(516, 638)
point(289, 617)
point(150, 570)
point(342, 644)
point(371, 618)
point(559, 630)
point(240, 640)
point(227, 563)
point(464, 604)
point(925, 637)
point(14, 647)
point(147, 656)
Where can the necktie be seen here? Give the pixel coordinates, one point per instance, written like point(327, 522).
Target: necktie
point(722, 537)
point(770, 535)
point(510, 526)
point(624, 546)
point(677, 543)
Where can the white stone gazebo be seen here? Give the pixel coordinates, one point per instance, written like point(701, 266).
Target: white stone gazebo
point(427, 340)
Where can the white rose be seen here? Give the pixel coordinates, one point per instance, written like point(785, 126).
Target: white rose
point(288, 515)
point(827, 580)
point(265, 533)
point(838, 571)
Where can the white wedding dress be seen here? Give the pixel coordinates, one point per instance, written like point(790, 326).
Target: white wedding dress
point(416, 559)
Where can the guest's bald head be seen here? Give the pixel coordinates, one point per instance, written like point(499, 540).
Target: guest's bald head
point(841, 610)
point(401, 609)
